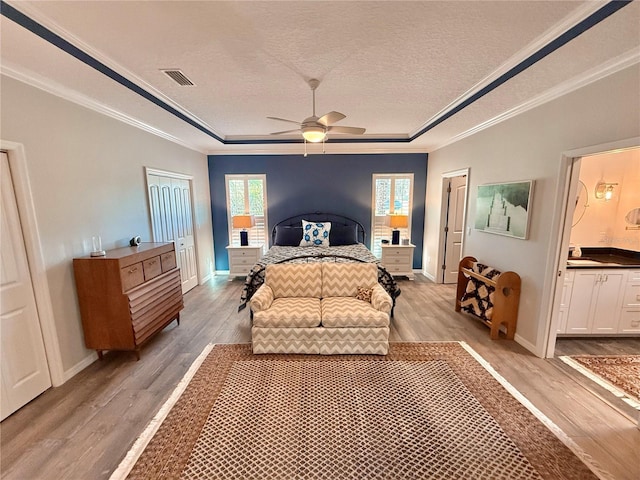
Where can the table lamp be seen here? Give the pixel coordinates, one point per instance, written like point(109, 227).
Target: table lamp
point(244, 222)
point(396, 222)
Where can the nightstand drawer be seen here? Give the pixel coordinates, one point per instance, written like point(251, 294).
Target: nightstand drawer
point(243, 255)
point(397, 252)
point(399, 269)
point(403, 257)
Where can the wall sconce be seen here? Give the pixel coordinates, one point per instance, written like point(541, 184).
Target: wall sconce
point(396, 222)
point(244, 222)
point(604, 190)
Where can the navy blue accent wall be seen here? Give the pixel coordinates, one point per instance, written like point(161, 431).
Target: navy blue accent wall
point(328, 183)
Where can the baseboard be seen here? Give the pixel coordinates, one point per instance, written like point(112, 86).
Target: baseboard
point(206, 278)
point(222, 272)
point(81, 365)
point(429, 276)
point(528, 345)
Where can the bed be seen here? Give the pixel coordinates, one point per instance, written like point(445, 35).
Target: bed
point(346, 238)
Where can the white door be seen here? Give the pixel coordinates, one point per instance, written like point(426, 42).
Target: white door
point(454, 228)
point(172, 221)
point(25, 373)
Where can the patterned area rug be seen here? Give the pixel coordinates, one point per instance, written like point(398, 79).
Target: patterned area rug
point(620, 374)
point(426, 410)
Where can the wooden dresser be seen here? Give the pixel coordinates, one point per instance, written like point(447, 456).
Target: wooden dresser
point(128, 295)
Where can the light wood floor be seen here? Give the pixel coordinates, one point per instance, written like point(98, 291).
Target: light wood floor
point(83, 429)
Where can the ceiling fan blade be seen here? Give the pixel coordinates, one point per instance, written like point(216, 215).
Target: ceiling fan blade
point(283, 120)
point(285, 131)
point(331, 118)
point(351, 130)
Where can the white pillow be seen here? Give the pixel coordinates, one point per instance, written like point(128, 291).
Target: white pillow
point(315, 234)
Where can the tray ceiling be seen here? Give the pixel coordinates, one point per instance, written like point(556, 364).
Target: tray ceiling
point(398, 69)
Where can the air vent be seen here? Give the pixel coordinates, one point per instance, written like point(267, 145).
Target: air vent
point(179, 77)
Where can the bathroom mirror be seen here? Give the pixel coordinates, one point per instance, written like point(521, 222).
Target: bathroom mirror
point(633, 217)
point(582, 202)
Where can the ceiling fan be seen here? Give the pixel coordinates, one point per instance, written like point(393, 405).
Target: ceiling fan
point(315, 129)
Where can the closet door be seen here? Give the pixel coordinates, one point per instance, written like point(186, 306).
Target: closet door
point(25, 372)
point(172, 221)
point(185, 245)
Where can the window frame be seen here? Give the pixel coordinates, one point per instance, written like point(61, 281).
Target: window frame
point(234, 233)
point(377, 221)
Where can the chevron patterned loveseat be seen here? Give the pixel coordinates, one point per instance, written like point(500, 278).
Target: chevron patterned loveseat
point(321, 308)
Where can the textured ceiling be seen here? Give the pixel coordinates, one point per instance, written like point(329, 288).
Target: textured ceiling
point(392, 67)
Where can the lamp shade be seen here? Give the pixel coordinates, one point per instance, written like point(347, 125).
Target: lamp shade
point(243, 221)
point(398, 221)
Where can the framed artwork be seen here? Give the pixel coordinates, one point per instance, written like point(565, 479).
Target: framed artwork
point(504, 208)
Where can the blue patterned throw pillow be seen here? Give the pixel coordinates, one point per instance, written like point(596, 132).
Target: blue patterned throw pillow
point(315, 234)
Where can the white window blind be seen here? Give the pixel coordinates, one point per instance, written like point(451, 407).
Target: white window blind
point(392, 195)
point(247, 194)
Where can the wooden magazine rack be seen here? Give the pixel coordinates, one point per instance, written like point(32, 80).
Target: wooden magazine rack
point(506, 297)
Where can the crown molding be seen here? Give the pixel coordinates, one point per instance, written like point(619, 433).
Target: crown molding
point(335, 149)
point(70, 95)
point(610, 67)
point(44, 20)
point(554, 32)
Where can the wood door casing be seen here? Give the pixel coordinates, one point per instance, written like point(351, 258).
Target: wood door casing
point(25, 371)
point(171, 212)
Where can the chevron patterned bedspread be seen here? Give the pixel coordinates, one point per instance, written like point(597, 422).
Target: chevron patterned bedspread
point(345, 253)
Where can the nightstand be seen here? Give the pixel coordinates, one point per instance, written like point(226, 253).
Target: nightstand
point(398, 259)
point(241, 259)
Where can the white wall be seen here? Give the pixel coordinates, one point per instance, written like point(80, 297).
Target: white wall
point(602, 224)
point(530, 146)
point(87, 176)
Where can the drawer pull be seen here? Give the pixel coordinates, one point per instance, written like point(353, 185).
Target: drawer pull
point(133, 270)
point(152, 262)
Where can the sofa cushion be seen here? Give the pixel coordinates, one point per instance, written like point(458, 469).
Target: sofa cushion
point(343, 279)
point(262, 299)
point(380, 299)
point(351, 312)
point(295, 279)
point(326, 341)
point(290, 312)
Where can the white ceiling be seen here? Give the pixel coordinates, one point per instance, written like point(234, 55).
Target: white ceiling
point(391, 66)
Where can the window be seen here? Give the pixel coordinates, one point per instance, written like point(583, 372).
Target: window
point(392, 194)
point(247, 194)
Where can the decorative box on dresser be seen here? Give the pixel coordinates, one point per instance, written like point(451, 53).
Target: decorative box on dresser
point(128, 295)
point(241, 259)
point(398, 259)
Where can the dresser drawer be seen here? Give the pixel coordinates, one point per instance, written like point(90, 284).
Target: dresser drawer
point(632, 294)
point(630, 321)
point(131, 276)
point(168, 261)
point(152, 268)
point(634, 276)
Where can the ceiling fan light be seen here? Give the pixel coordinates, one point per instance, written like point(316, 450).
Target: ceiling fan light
point(313, 134)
